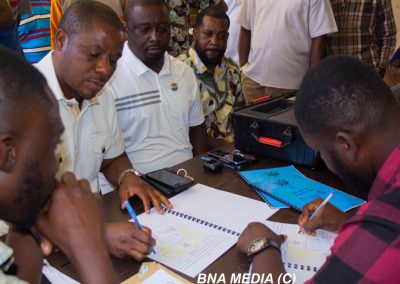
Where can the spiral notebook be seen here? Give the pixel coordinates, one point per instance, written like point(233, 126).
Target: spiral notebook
point(272, 202)
point(289, 186)
point(303, 255)
point(204, 224)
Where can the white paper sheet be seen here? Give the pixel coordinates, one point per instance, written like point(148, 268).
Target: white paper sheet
point(55, 276)
point(161, 277)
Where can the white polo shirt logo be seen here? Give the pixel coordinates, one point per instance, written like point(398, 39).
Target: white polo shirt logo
point(174, 86)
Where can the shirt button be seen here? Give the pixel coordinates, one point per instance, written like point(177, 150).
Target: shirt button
point(59, 158)
point(103, 149)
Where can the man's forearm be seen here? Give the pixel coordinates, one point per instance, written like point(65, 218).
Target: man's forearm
point(112, 168)
point(268, 261)
point(318, 50)
point(27, 254)
point(244, 46)
point(198, 139)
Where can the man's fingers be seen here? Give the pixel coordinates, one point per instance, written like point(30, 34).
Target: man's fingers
point(164, 199)
point(304, 216)
point(137, 255)
point(68, 178)
point(46, 246)
point(84, 185)
point(145, 200)
point(283, 238)
point(123, 197)
point(308, 209)
point(155, 199)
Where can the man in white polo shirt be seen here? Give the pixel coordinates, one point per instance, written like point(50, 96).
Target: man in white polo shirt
point(88, 44)
point(156, 96)
point(279, 41)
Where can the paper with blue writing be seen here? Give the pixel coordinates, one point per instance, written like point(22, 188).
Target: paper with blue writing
point(291, 187)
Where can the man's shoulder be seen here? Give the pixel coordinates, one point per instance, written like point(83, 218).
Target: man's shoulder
point(104, 98)
point(379, 215)
point(230, 63)
point(184, 57)
point(179, 67)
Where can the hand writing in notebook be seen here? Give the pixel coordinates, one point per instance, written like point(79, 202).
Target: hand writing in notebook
point(329, 218)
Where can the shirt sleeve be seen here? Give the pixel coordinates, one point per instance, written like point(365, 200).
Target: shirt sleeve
point(196, 115)
point(385, 32)
point(367, 243)
point(238, 83)
point(117, 145)
point(321, 19)
point(9, 279)
point(244, 16)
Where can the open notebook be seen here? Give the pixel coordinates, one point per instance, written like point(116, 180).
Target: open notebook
point(204, 224)
point(302, 254)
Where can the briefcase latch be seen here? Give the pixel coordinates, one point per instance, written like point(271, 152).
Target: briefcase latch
point(286, 139)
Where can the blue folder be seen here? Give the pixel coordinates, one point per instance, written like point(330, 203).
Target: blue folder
point(291, 187)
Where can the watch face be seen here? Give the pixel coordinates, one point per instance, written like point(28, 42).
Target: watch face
point(257, 245)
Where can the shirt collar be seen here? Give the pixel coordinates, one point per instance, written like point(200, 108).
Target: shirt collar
point(140, 68)
point(387, 177)
point(197, 63)
point(201, 68)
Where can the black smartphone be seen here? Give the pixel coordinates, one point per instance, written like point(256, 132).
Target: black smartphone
point(227, 157)
point(167, 182)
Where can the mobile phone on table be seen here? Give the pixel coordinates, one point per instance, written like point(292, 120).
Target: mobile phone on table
point(227, 157)
point(167, 182)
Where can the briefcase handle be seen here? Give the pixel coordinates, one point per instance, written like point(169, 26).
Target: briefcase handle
point(287, 136)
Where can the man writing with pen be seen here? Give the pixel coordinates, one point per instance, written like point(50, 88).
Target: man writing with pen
point(346, 112)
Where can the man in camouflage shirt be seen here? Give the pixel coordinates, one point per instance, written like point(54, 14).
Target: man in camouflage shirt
point(218, 76)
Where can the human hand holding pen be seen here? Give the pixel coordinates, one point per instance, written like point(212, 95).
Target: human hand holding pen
point(132, 213)
point(329, 217)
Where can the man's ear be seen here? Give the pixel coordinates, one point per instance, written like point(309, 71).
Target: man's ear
point(125, 26)
point(8, 153)
point(346, 146)
point(195, 34)
point(61, 40)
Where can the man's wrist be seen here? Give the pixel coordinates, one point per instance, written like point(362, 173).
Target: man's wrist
point(132, 171)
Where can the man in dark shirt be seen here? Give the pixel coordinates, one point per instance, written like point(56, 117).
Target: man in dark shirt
point(347, 113)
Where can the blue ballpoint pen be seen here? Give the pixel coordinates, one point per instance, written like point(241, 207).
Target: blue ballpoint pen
point(132, 213)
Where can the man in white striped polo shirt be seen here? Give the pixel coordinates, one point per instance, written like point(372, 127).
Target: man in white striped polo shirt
point(156, 96)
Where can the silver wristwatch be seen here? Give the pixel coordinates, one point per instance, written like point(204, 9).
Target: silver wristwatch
point(261, 244)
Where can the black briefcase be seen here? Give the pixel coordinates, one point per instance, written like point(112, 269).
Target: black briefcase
point(270, 129)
